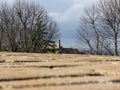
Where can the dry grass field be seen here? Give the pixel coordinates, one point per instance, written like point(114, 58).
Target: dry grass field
point(22, 71)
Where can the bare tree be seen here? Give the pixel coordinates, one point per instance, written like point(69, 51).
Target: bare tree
point(89, 26)
point(5, 25)
point(1, 38)
point(92, 16)
point(103, 22)
point(109, 11)
point(84, 34)
point(27, 27)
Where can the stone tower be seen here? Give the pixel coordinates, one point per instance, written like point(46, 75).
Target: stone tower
point(58, 43)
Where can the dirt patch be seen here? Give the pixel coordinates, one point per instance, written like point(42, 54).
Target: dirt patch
point(26, 61)
point(53, 66)
point(52, 76)
point(112, 60)
point(63, 84)
point(1, 87)
point(55, 84)
point(2, 61)
point(115, 81)
point(104, 60)
point(45, 66)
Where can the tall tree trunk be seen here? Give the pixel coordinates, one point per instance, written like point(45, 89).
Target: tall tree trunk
point(115, 46)
point(91, 49)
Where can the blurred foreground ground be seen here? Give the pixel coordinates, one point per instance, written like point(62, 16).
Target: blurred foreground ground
point(21, 71)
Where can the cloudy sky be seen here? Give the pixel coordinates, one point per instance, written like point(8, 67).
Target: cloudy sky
point(67, 14)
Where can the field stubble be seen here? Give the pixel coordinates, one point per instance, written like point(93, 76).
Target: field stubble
point(22, 71)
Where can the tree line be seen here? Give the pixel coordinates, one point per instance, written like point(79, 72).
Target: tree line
point(26, 27)
point(99, 27)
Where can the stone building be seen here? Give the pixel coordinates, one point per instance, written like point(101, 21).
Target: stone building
point(66, 50)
